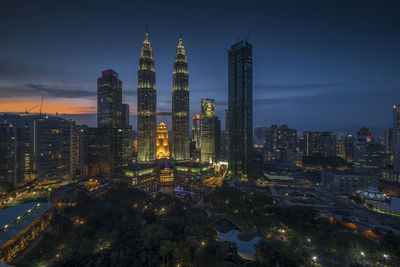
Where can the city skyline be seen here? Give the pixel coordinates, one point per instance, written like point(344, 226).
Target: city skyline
point(112, 151)
point(349, 63)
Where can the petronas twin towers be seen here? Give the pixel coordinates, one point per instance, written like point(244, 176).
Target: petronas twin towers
point(147, 104)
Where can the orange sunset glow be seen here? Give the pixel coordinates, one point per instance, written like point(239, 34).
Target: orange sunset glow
point(50, 106)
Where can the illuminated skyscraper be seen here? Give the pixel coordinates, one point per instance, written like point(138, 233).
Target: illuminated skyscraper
point(180, 105)
point(109, 100)
point(196, 125)
point(162, 142)
point(146, 104)
point(207, 130)
point(240, 105)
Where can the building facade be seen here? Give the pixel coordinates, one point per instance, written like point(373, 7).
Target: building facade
point(162, 142)
point(240, 108)
point(196, 126)
point(11, 154)
point(347, 182)
point(280, 142)
point(146, 104)
point(323, 143)
point(217, 138)
point(180, 105)
point(207, 130)
point(109, 100)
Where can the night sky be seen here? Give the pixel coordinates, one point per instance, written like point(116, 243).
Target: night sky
point(321, 65)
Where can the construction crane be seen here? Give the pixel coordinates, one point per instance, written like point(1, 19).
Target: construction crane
point(41, 105)
point(27, 111)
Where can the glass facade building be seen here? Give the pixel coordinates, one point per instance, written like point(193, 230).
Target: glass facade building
point(240, 106)
point(207, 130)
point(109, 100)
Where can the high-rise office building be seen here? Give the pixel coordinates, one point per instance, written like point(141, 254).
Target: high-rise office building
point(217, 139)
point(396, 150)
point(240, 105)
point(396, 116)
point(180, 105)
point(125, 132)
point(323, 143)
point(280, 142)
point(125, 114)
point(146, 104)
point(109, 100)
point(362, 142)
point(196, 126)
point(50, 146)
point(349, 147)
point(162, 142)
point(126, 136)
point(207, 130)
point(57, 148)
point(11, 154)
point(28, 126)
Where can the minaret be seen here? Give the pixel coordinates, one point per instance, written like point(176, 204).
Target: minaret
point(146, 104)
point(180, 105)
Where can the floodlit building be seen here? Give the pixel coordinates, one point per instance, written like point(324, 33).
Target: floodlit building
point(162, 142)
point(180, 105)
point(146, 104)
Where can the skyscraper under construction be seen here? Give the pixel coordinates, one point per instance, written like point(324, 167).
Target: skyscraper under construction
point(180, 105)
point(146, 104)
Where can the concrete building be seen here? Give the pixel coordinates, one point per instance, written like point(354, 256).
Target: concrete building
point(340, 182)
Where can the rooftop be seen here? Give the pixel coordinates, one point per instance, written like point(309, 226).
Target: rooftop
point(15, 219)
point(393, 206)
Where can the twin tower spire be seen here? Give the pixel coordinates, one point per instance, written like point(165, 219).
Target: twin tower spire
point(147, 104)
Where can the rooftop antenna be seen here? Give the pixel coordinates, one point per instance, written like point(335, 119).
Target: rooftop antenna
point(147, 31)
point(248, 34)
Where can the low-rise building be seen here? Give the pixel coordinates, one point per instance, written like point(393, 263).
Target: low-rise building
point(20, 225)
point(340, 182)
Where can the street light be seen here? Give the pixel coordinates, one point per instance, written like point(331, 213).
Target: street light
point(386, 256)
point(314, 258)
point(362, 253)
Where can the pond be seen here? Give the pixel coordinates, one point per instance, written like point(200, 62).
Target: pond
point(246, 249)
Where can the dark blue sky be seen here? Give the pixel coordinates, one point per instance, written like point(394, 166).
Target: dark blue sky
point(317, 64)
